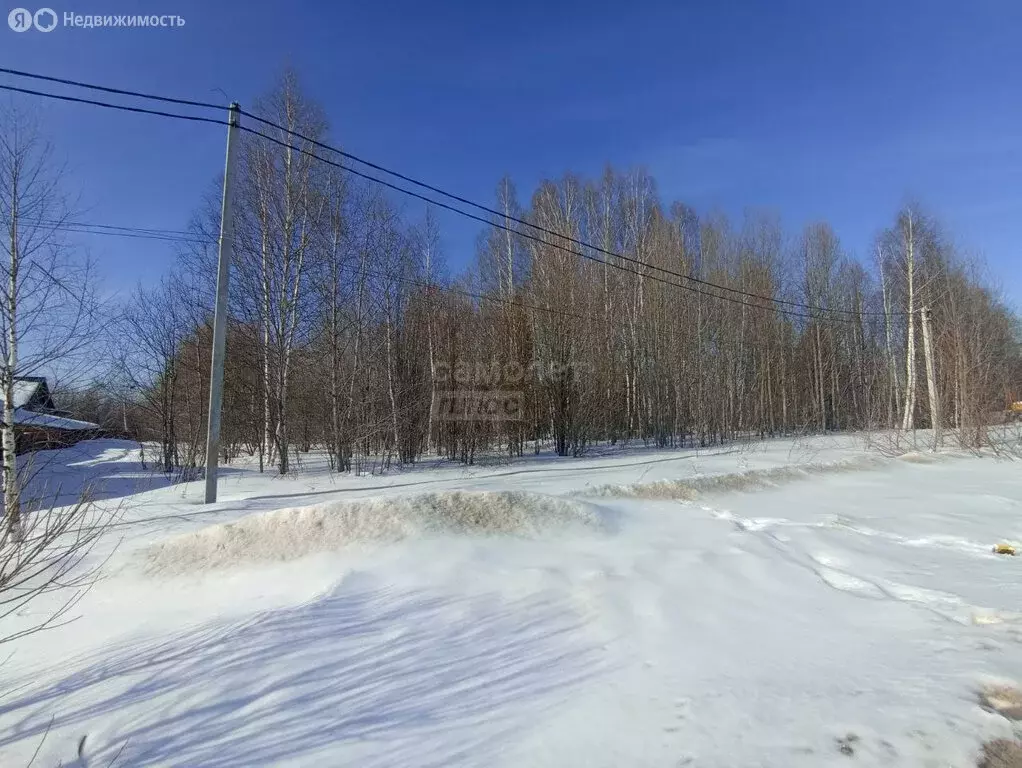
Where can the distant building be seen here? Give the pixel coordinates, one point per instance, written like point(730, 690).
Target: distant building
point(39, 424)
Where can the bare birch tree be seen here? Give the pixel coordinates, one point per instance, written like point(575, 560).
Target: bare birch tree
point(282, 211)
point(48, 309)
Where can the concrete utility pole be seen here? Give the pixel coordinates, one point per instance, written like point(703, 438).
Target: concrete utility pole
point(936, 417)
point(216, 371)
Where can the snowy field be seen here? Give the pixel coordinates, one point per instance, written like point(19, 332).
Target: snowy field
point(782, 603)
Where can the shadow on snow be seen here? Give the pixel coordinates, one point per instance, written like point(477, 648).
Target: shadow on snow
point(401, 677)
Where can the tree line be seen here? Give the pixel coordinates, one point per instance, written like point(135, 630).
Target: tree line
point(347, 332)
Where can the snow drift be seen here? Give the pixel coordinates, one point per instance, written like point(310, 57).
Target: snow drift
point(751, 480)
point(287, 534)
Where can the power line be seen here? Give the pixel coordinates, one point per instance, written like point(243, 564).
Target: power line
point(479, 296)
point(128, 232)
point(539, 228)
point(446, 206)
point(448, 195)
point(92, 228)
point(105, 89)
point(152, 230)
point(113, 229)
point(439, 204)
point(527, 236)
point(108, 105)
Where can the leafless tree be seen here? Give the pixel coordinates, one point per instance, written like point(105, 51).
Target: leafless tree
point(345, 327)
point(155, 324)
point(280, 214)
point(48, 308)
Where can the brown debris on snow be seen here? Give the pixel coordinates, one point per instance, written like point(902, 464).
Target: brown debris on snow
point(1005, 700)
point(1001, 753)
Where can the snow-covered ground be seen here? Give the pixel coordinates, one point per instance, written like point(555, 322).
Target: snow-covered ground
point(781, 603)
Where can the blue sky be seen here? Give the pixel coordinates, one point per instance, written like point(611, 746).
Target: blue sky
point(815, 110)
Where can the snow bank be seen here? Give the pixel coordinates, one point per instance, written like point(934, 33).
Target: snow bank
point(751, 480)
point(287, 534)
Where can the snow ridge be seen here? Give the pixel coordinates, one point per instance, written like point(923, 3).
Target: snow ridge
point(287, 534)
point(750, 480)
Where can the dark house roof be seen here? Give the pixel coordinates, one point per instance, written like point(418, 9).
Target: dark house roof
point(33, 392)
point(34, 407)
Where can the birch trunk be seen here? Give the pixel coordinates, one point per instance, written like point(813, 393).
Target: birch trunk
point(821, 404)
point(390, 375)
point(908, 421)
point(335, 394)
point(894, 399)
point(12, 492)
point(931, 380)
point(429, 339)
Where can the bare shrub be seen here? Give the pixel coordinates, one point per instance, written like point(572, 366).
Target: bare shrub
point(44, 553)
